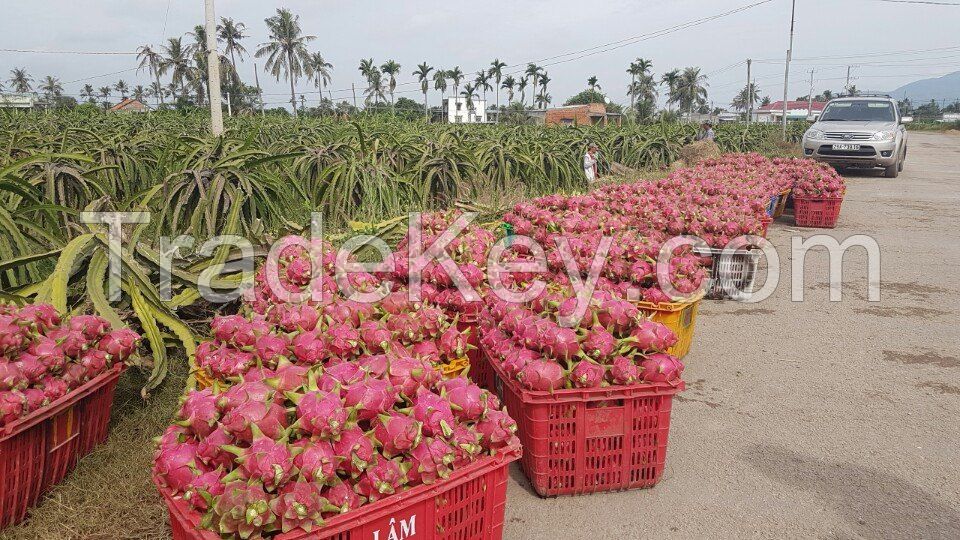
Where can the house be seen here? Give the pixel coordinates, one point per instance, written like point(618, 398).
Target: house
point(796, 110)
point(130, 105)
point(18, 101)
point(581, 115)
point(460, 111)
point(950, 117)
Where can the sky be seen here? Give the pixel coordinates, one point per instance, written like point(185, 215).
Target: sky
point(829, 35)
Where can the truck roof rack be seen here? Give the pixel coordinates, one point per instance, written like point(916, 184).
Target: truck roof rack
point(871, 94)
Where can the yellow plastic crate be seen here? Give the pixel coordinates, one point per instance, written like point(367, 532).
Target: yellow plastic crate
point(681, 317)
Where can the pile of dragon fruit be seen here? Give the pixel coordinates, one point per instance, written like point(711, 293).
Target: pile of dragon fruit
point(717, 200)
point(287, 452)
point(44, 357)
point(813, 179)
point(544, 346)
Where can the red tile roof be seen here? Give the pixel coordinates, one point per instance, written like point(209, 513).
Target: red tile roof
point(792, 105)
point(129, 103)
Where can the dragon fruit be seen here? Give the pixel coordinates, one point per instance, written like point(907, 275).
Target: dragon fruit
point(93, 327)
point(587, 374)
point(309, 347)
point(224, 327)
point(466, 444)
point(199, 412)
point(295, 317)
point(408, 375)
point(431, 460)
point(497, 429)
point(342, 496)
point(42, 317)
point(374, 365)
point(201, 491)
point(269, 418)
point(599, 344)
point(624, 371)
point(299, 505)
point(177, 465)
point(370, 398)
point(12, 405)
point(49, 353)
point(210, 448)
point(541, 375)
point(287, 377)
point(339, 377)
point(94, 362)
point(354, 451)
point(562, 344)
point(53, 387)
point(661, 367)
point(243, 509)
point(385, 477)
point(434, 413)
point(72, 342)
point(270, 349)
point(320, 413)
point(651, 336)
point(344, 341)
point(453, 343)
point(396, 433)
point(265, 460)
point(119, 344)
point(376, 337)
point(469, 401)
point(315, 460)
point(11, 377)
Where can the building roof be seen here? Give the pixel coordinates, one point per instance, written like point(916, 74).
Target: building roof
point(791, 106)
point(129, 103)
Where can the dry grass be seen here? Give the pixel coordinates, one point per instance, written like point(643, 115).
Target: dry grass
point(109, 494)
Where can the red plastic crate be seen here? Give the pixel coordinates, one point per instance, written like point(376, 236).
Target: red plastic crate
point(590, 440)
point(40, 449)
point(468, 505)
point(820, 212)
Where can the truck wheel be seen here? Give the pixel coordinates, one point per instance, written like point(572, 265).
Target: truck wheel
point(892, 171)
point(902, 159)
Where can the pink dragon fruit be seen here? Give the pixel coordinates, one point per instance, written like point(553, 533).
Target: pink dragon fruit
point(210, 449)
point(344, 341)
point(286, 378)
point(453, 343)
point(295, 317)
point(49, 353)
point(396, 433)
point(624, 371)
point(434, 413)
point(53, 387)
point(541, 375)
point(599, 343)
point(497, 429)
point(375, 365)
point(385, 477)
point(93, 327)
point(243, 509)
point(315, 460)
point(339, 377)
point(562, 344)
point(248, 333)
point(199, 412)
point(427, 350)
point(224, 327)
point(119, 344)
point(309, 347)
point(239, 394)
point(177, 465)
point(375, 336)
point(42, 317)
point(266, 460)
point(13, 336)
point(661, 367)
point(587, 374)
point(431, 460)
point(466, 444)
point(342, 496)
point(11, 377)
point(468, 401)
point(320, 413)
point(72, 342)
point(202, 490)
point(354, 451)
point(74, 375)
point(12, 405)
point(34, 399)
point(270, 349)
point(299, 505)
point(269, 417)
point(408, 375)
point(652, 336)
point(370, 398)
point(94, 362)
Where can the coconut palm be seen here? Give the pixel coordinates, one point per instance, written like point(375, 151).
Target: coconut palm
point(592, 83)
point(456, 76)
point(367, 68)
point(122, 88)
point(231, 33)
point(88, 93)
point(105, 94)
point(469, 92)
point(318, 70)
point(670, 80)
point(544, 80)
point(440, 83)
point(376, 89)
point(138, 93)
point(533, 73)
point(483, 83)
point(20, 80)
point(157, 90)
point(637, 68)
point(423, 76)
point(643, 94)
point(544, 99)
point(521, 87)
point(747, 95)
point(691, 89)
point(496, 71)
point(391, 69)
point(150, 60)
point(508, 83)
point(176, 61)
point(51, 87)
point(286, 51)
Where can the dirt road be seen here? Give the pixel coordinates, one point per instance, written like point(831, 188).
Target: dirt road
point(814, 419)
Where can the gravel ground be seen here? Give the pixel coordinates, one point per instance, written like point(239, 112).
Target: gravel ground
point(814, 419)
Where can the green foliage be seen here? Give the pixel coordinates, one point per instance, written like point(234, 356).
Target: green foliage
point(586, 97)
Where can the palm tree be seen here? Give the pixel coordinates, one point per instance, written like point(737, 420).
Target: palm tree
point(748, 94)
point(391, 69)
point(51, 87)
point(643, 93)
point(533, 72)
point(423, 75)
point(544, 79)
point(122, 88)
point(150, 60)
point(521, 87)
point(483, 83)
point(138, 93)
point(508, 84)
point(319, 70)
point(691, 88)
point(230, 33)
point(440, 84)
point(20, 80)
point(88, 93)
point(176, 60)
point(456, 76)
point(105, 93)
point(157, 90)
point(670, 80)
point(638, 67)
point(286, 51)
point(544, 99)
point(469, 92)
point(496, 71)
point(592, 83)
point(367, 68)
point(375, 88)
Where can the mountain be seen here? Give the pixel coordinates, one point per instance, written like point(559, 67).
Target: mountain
point(945, 88)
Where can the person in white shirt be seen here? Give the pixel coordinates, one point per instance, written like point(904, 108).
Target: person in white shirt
point(707, 132)
point(590, 163)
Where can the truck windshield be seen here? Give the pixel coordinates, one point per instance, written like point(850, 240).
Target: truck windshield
point(859, 111)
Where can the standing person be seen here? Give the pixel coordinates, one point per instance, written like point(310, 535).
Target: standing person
point(707, 133)
point(590, 163)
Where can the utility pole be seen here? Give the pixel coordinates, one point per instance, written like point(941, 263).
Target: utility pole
point(810, 97)
point(256, 79)
point(213, 70)
point(749, 101)
point(786, 70)
point(229, 106)
point(354, 88)
point(846, 87)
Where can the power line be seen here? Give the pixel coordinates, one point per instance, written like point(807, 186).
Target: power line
point(90, 53)
point(926, 2)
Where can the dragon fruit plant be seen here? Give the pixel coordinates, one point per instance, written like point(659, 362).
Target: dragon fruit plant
point(255, 460)
point(612, 344)
point(44, 357)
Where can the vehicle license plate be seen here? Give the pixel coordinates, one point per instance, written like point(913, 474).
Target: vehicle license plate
point(846, 147)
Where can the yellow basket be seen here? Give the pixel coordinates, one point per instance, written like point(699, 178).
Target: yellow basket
point(202, 378)
point(781, 203)
point(455, 367)
point(681, 317)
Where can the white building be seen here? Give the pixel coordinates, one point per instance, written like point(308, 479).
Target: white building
point(17, 101)
point(796, 110)
point(460, 112)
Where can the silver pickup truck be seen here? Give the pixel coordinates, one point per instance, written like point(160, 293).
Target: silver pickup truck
point(859, 132)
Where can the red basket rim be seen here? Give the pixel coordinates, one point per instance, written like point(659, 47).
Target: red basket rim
point(568, 395)
point(816, 198)
point(56, 407)
point(366, 513)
